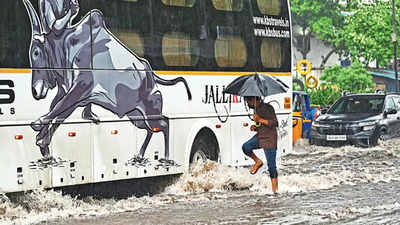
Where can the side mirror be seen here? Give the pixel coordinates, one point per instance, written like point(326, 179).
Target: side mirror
point(324, 110)
point(390, 111)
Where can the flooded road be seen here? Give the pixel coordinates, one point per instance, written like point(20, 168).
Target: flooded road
point(317, 185)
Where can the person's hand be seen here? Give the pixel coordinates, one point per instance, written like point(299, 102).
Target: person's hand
point(256, 118)
point(253, 128)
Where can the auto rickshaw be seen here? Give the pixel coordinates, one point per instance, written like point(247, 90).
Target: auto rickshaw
point(303, 115)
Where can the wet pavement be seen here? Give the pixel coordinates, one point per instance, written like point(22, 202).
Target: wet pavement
point(317, 185)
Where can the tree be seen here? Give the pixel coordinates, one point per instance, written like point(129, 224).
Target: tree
point(354, 78)
point(359, 29)
point(323, 96)
point(367, 34)
point(321, 17)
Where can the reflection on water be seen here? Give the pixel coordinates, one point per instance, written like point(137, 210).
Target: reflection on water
point(317, 185)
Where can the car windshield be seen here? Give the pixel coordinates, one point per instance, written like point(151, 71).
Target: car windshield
point(358, 104)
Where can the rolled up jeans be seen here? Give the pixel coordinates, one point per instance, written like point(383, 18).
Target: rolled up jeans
point(270, 154)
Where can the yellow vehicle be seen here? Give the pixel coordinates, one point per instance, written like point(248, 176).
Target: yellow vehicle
point(303, 115)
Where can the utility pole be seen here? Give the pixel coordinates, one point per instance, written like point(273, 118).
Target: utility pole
point(394, 40)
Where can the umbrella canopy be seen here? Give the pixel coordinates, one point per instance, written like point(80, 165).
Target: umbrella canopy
point(256, 85)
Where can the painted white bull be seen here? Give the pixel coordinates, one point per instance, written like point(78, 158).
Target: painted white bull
point(128, 92)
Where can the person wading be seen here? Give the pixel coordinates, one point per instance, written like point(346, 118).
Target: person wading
point(266, 137)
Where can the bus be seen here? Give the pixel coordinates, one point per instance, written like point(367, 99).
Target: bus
point(95, 94)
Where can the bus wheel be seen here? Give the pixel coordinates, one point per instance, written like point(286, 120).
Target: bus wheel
point(205, 147)
point(199, 154)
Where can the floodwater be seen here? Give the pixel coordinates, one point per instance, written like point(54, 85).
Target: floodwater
point(317, 185)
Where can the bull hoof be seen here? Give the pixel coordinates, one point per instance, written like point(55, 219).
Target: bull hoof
point(139, 161)
point(167, 163)
point(45, 152)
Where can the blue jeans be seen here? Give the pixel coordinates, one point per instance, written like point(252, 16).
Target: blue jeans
point(270, 154)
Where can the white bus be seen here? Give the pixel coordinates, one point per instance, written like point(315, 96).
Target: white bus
point(100, 94)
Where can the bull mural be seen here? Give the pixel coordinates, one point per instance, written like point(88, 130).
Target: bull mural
point(129, 91)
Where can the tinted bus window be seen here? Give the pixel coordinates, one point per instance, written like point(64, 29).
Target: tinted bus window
point(269, 7)
point(179, 50)
point(232, 36)
point(132, 40)
point(230, 52)
point(186, 3)
point(176, 35)
point(271, 53)
point(15, 35)
point(271, 32)
point(129, 21)
point(228, 5)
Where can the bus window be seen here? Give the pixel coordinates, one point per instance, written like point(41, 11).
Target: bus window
point(15, 35)
point(128, 20)
point(132, 40)
point(185, 3)
point(269, 7)
point(230, 52)
point(271, 53)
point(228, 5)
point(179, 50)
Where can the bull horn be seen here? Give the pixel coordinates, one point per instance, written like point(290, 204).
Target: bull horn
point(35, 22)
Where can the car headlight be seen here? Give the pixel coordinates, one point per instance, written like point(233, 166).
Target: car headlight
point(365, 128)
point(319, 125)
point(369, 123)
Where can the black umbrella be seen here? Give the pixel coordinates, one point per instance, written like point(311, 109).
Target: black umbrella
point(256, 85)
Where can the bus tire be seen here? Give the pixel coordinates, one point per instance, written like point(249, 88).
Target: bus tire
point(205, 147)
point(300, 83)
point(314, 85)
point(303, 62)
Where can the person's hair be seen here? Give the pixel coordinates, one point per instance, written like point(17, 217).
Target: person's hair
point(258, 98)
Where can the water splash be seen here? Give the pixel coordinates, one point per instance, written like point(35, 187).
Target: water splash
point(307, 169)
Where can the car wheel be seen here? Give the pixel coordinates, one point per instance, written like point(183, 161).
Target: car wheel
point(312, 142)
point(380, 137)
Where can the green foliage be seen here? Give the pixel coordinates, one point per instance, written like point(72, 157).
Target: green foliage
point(354, 79)
point(336, 79)
point(320, 17)
point(362, 31)
point(323, 96)
point(367, 34)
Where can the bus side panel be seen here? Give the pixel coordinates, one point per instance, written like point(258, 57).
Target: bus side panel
point(208, 98)
point(114, 144)
point(240, 134)
point(18, 170)
point(155, 153)
point(72, 145)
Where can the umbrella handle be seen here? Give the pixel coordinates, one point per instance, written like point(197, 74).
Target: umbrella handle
point(247, 110)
